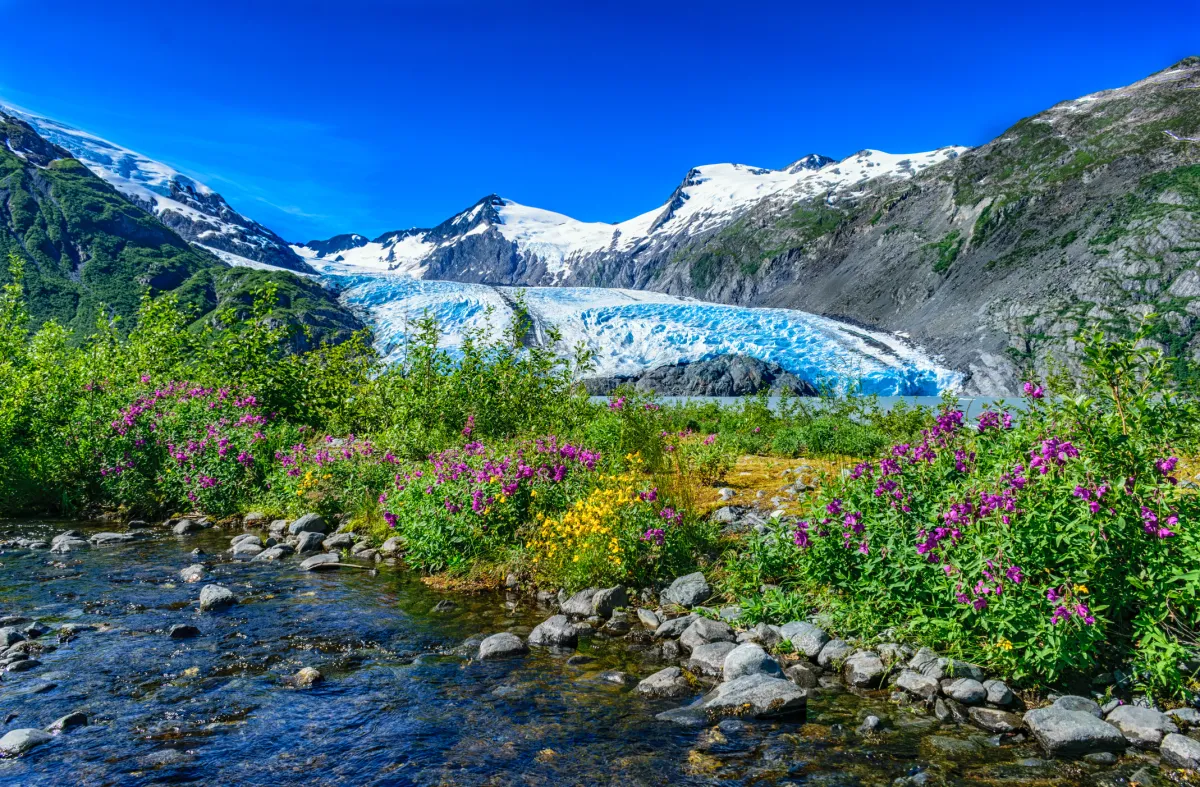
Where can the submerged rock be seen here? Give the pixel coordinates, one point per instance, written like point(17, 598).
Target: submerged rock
point(214, 597)
point(500, 646)
point(308, 676)
point(183, 631)
point(17, 742)
point(1072, 733)
point(68, 722)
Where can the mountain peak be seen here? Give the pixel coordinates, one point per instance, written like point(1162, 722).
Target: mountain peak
point(813, 162)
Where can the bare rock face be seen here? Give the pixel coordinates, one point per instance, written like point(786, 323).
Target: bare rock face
point(725, 375)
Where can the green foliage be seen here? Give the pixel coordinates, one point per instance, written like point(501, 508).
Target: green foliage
point(947, 250)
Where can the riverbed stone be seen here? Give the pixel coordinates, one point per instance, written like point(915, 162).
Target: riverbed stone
point(687, 591)
point(392, 547)
point(709, 658)
point(309, 523)
point(607, 600)
point(1188, 717)
point(10, 636)
point(137, 524)
point(183, 631)
point(915, 682)
point(965, 690)
point(17, 742)
point(214, 597)
point(186, 527)
point(1072, 733)
point(320, 562)
point(247, 549)
point(62, 546)
point(761, 634)
point(308, 676)
point(998, 693)
point(308, 541)
point(804, 675)
point(107, 539)
point(669, 682)
point(749, 659)
point(193, 573)
point(1180, 751)
point(1142, 727)
point(340, 541)
point(277, 552)
point(23, 664)
point(649, 618)
point(703, 631)
point(674, 628)
point(501, 646)
point(579, 605)
point(994, 720)
point(953, 668)
point(756, 696)
point(68, 722)
point(864, 669)
point(834, 652)
point(926, 662)
point(556, 631)
point(893, 653)
point(233, 542)
point(1075, 702)
point(806, 639)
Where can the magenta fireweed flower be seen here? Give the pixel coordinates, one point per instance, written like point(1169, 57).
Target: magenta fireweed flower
point(655, 535)
point(1084, 614)
point(1151, 524)
point(649, 496)
point(1053, 595)
point(1061, 613)
point(390, 518)
point(861, 469)
point(1034, 391)
point(1165, 466)
point(712, 438)
point(617, 404)
point(800, 535)
point(671, 515)
point(451, 506)
point(1014, 575)
point(470, 426)
point(834, 507)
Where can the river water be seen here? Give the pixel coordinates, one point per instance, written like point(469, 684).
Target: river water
point(403, 703)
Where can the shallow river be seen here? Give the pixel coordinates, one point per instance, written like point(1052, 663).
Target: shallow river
point(402, 703)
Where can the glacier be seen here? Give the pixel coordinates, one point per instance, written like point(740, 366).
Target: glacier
point(630, 331)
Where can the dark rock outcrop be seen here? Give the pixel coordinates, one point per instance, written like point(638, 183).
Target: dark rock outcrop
point(725, 375)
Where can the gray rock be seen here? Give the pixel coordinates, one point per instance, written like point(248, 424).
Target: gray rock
point(756, 696)
point(726, 515)
point(216, 597)
point(607, 600)
point(322, 562)
point(674, 628)
point(1073, 702)
point(709, 658)
point(926, 662)
point(616, 677)
point(998, 693)
point(871, 725)
point(954, 748)
point(106, 539)
point(392, 547)
point(137, 524)
point(953, 668)
point(309, 541)
point(277, 527)
point(692, 716)
point(649, 618)
point(994, 720)
point(806, 638)
point(17, 742)
point(864, 669)
point(10, 636)
point(1072, 733)
point(761, 633)
point(277, 552)
point(687, 591)
point(193, 573)
point(233, 542)
point(254, 519)
point(579, 605)
point(1180, 751)
point(183, 631)
point(834, 652)
point(186, 527)
point(247, 549)
point(67, 545)
point(893, 653)
point(1143, 727)
point(725, 493)
point(730, 614)
point(703, 631)
point(803, 675)
point(966, 690)
point(749, 659)
point(307, 676)
point(556, 631)
point(915, 682)
point(1101, 758)
point(669, 682)
point(501, 646)
point(23, 665)
point(340, 541)
point(68, 722)
point(309, 523)
point(1186, 716)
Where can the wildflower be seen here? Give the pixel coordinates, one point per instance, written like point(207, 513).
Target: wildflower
point(1004, 644)
point(1084, 614)
point(1014, 575)
point(712, 438)
point(1061, 613)
point(800, 535)
point(1034, 392)
point(470, 426)
point(655, 535)
point(1165, 466)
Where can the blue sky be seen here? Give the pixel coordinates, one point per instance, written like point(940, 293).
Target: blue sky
point(323, 117)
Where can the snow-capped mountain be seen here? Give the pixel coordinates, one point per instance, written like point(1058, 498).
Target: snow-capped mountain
point(199, 214)
point(501, 241)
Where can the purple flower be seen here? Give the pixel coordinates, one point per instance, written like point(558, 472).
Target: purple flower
point(656, 535)
point(1014, 574)
point(1034, 392)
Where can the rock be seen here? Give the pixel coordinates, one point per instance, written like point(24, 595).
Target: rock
point(308, 676)
point(1072, 733)
point(106, 539)
point(277, 552)
point(309, 523)
point(445, 605)
point(953, 668)
point(944, 746)
point(756, 696)
point(23, 665)
point(703, 631)
point(674, 628)
point(669, 682)
point(616, 677)
point(606, 601)
point(725, 375)
point(277, 527)
point(687, 591)
point(67, 545)
point(669, 650)
point(186, 527)
point(193, 573)
point(870, 725)
point(917, 683)
point(579, 605)
point(994, 720)
point(501, 646)
point(649, 618)
point(806, 638)
point(340, 541)
point(556, 631)
point(216, 597)
point(892, 653)
point(709, 658)
point(309, 541)
point(68, 722)
point(998, 693)
point(392, 547)
point(1187, 716)
point(1143, 727)
point(17, 742)
point(726, 515)
point(725, 493)
point(233, 542)
point(254, 519)
point(1073, 702)
point(137, 524)
point(834, 652)
point(864, 669)
point(926, 662)
point(1180, 751)
point(9, 636)
point(183, 631)
point(966, 690)
point(730, 614)
point(247, 549)
point(1101, 758)
point(692, 716)
point(803, 675)
point(749, 659)
point(321, 562)
point(761, 633)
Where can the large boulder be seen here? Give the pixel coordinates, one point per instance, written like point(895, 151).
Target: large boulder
point(309, 541)
point(864, 669)
point(687, 591)
point(216, 597)
point(10, 636)
point(608, 600)
point(501, 646)
point(17, 742)
point(806, 639)
point(309, 523)
point(966, 690)
point(557, 631)
point(186, 527)
point(703, 631)
point(1072, 733)
point(834, 652)
point(916, 683)
point(749, 659)
point(1075, 702)
point(669, 682)
point(709, 658)
point(1143, 727)
point(579, 605)
point(756, 696)
point(674, 628)
point(1180, 751)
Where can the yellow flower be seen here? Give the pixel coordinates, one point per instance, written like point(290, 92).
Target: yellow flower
point(1003, 644)
point(1081, 589)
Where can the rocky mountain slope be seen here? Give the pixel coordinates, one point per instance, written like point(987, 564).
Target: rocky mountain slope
point(88, 248)
point(725, 375)
point(196, 212)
